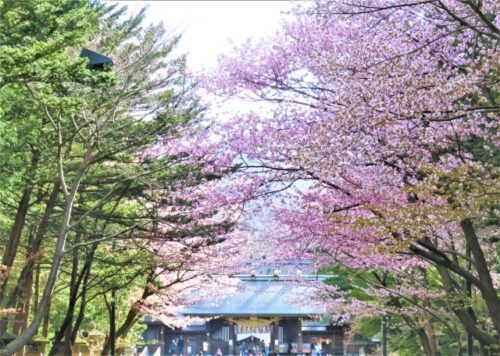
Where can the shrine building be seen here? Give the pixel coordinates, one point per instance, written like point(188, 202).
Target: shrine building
point(266, 311)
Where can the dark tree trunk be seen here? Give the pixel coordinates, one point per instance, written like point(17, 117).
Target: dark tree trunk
point(488, 290)
point(23, 304)
point(21, 294)
point(46, 320)
point(426, 337)
point(483, 351)
point(66, 329)
point(132, 316)
point(21, 340)
point(462, 313)
point(483, 283)
point(64, 332)
point(83, 305)
point(429, 350)
point(37, 287)
point(19, 222)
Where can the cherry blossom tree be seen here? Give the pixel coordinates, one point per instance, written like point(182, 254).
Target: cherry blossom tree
point(87, 212)
point(377, 148)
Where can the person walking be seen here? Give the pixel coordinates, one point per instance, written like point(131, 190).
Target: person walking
point(180, 346)
point(172, 349)
point(266, 349)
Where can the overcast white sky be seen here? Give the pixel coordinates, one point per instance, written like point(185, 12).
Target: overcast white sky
point(208, 27)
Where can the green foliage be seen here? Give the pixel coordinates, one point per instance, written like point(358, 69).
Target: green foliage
point(367, 327)
point(405, 342)
point(39, 39)
point(105, 126)
point(351, 281)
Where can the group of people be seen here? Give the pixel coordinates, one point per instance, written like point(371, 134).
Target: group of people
point(253, 348)
point(254, 352)
point(217, 353)
point(176, 347)
point(318, 350)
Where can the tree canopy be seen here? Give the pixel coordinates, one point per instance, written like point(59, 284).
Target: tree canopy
point(375, 156)
point(378, 151)
point(93, 202)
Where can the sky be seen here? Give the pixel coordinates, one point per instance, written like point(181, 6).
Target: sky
point(210, 27)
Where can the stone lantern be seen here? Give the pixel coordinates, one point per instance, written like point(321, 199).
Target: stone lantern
point(81, 347)
point(36, 347)
point(95, 339)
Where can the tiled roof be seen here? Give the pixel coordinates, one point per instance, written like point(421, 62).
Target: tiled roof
point(261, 298)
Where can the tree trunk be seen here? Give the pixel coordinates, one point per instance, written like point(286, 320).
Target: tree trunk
point(431, 335)
point(444, 267)
point(46, 321)
point(427, 320)
point(426, 336)
point(429, 349)
point(488, 290)
point(461, 312)
point(66, 329)
point(132, 316)
point(83, 297)
point(26, 336)
point(66, 346)
point(20, 295)
point(19, 222)
point(37, 287)
point(66, 326)
point(24, 302)
point(483, 351)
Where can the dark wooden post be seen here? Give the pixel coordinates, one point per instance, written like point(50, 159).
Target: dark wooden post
point(162, 341)
point(275, 336)
point(232, 338)
point(299, 335)
point(384, 336)
point(208, 336)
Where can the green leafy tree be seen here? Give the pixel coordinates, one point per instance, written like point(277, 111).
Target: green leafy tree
point(101, 190)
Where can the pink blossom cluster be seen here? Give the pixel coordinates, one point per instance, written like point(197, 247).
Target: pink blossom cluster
point(371, 103)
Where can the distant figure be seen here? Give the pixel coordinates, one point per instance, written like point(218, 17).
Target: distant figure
point(313, 349)
point(266, 350)
point(205, 348)
point(180, 346)
point(172, 349)
point(277, 273)
point(218, 352)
